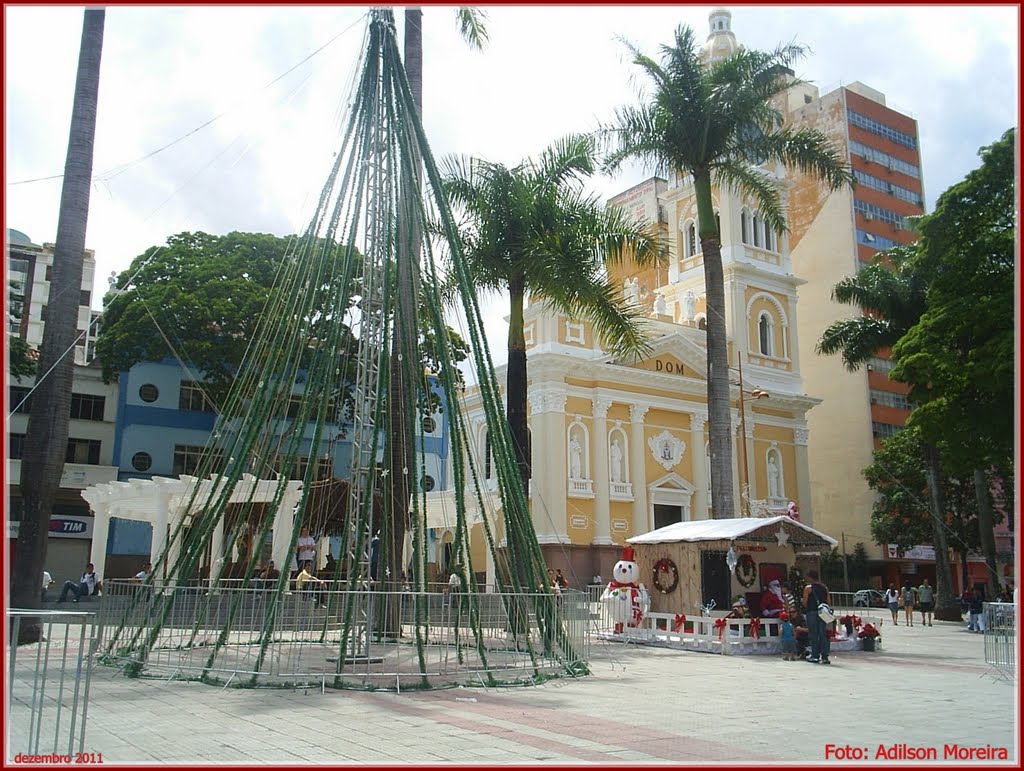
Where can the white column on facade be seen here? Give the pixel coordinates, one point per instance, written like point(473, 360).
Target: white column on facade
point(217, 558)
point(549, 488)
point(700, 464)
point(100, 531)
point(284, 521)
point(602, 491)
point(638, 468)
point(161, 516)
point(803, 481)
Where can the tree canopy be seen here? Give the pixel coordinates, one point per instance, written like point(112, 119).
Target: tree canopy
point(198, 298)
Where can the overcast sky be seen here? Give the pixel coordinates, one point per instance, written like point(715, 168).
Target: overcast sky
point(548, 71)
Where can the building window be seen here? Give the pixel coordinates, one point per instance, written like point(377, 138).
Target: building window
point(890, 162)
point(765, 334)
point(188, 458)
point(487, 456)
point(85, 451)
point(192, 398)
point(85, 298)
point(882, 130)
point(427, 483)
point(429, 425)
point(149, 392)
point(16, 446)
point(878, 364)
point(744, 232)
point(141, 461)
point(49, 273)
point(889, 399)
point(42, 313)
point(884, 430)
point(87, 406)
point(21, 400)
point(691, 240)
point(756, 226)
point(702, 323)
point(769, 237)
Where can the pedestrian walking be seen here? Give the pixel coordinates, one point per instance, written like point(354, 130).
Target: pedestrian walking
point(907, 601)
point(892, 599)
point(926, 601)
point(976, 615)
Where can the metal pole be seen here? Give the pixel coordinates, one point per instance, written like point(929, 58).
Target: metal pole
point(846, 575)
point(743, 438)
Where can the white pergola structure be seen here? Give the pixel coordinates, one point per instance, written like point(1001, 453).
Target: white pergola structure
point(161, 501)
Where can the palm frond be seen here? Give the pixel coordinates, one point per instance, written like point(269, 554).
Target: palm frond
point(471, 26)
point(765, 191)
point(856, 339)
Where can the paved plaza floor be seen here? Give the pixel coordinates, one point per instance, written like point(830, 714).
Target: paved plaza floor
point(925, 688)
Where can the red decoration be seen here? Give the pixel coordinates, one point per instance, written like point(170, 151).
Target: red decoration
point(720, 624)
point(680, 622)
point(755, 628)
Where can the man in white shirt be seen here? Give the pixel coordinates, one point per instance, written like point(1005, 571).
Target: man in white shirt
point(47, 583)
point(88, 584)
point(305, 548)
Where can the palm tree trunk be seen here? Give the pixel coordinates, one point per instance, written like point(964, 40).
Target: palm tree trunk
point(516, 381)
point(47, 436)
point(947, 605)
point(719, 417)
point(986, 531)
point(403, 365)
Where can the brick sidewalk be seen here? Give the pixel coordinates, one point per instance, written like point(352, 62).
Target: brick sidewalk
point(926, 687)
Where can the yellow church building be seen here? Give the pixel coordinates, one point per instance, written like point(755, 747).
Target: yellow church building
point(619, 447)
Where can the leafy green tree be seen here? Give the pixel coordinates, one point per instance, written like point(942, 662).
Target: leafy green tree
point(902, 515)
point(199, 298)
point(718, 121)
point(531, 229)
point(47, 435)
point(19, 358)
point(958, 357)
point(891, 297)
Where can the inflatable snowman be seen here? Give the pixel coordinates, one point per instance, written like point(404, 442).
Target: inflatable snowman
point(627, 599)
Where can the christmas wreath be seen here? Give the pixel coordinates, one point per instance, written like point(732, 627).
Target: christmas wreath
point(746, 570)
point(666, 576)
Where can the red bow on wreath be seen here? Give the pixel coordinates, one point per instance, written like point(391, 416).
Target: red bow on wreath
point(720, 626)
point(755, 628)
point(679, 622)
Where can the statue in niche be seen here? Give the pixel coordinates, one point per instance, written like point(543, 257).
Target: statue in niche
point(615, 455)
point(689, 306)
point(774, 488)
point(575, 458)
point(631, 291)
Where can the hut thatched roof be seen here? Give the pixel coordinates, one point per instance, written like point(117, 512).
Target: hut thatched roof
point(743, 528)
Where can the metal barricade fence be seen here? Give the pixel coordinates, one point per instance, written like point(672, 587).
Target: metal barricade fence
point(48, 686)
point(1000, 619)
point(360, 638)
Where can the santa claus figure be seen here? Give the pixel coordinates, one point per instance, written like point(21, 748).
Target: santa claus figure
point(772, 601)
point(627, 599)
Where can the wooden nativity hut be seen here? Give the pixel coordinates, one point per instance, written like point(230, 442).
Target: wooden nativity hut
point(688, 565)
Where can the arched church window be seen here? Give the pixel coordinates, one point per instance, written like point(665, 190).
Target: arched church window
point(691, 240)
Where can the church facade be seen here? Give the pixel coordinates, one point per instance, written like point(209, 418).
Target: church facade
point(619, 447)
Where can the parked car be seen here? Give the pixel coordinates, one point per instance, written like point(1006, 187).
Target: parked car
point(869, 598)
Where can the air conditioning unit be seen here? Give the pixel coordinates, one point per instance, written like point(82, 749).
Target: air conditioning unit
point(888, 165)
point(870, 368)
point(868, 216)
point(897, 226)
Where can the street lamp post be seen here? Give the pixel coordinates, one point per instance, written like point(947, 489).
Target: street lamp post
point(757, 393)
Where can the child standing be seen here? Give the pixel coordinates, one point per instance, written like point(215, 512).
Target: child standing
point(787, 637)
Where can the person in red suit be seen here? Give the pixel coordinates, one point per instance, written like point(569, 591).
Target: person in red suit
point(772, 601)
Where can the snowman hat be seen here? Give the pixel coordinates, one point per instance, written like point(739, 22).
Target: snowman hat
point(627, 554)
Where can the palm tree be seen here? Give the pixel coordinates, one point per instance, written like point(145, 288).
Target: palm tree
point(401, 432)
point(531, 229)
point(891, 301)
point(717, 121)
point(47, 435)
